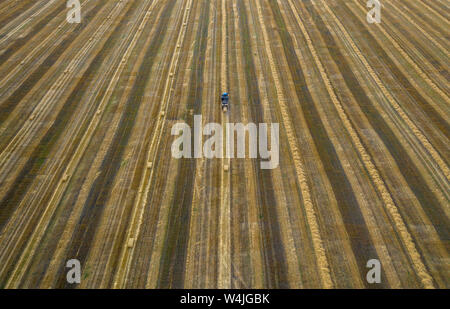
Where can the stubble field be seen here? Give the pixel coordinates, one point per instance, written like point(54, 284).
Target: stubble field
point(86, 172)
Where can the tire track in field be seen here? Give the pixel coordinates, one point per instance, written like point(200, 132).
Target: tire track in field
point(209, 245)
point(224, 271)
point(210, 184)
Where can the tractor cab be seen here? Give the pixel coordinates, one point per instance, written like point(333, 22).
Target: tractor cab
point(225, 99)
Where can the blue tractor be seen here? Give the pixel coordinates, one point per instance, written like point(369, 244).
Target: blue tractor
point(225, 98)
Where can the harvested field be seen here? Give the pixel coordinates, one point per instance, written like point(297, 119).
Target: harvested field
point(86, 170)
